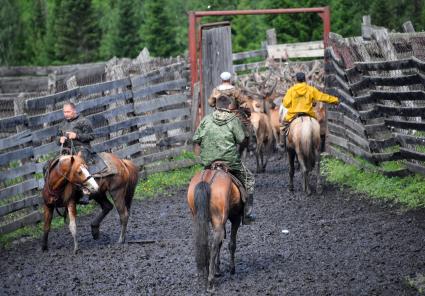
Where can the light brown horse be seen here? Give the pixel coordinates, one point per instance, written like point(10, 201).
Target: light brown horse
point(303, 141)
point(68, 176)
point(213, 198)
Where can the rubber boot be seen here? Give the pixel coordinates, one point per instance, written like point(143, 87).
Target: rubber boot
point(84, 200)
point(248, 210)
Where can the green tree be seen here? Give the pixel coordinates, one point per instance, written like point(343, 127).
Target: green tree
point(77, 32)
point(157, 32)
point(37, 33)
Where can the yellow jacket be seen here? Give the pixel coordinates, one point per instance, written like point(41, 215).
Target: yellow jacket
point(300, 98)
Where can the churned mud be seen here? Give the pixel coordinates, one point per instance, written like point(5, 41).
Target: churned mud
point(336, 244)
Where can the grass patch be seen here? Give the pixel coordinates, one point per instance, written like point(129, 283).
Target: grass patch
point(160, 183)
point(35, 231)
point(408, 191)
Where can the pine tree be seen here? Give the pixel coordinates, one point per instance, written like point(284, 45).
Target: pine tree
point(37, 33)
point(157, 32)
point(77, 32)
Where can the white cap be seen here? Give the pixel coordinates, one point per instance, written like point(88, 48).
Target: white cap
point(225, 76)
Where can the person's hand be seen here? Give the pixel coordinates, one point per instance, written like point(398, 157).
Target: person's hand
point(71, 135)
point(62, 140)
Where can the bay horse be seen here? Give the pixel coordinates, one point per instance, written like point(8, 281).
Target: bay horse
point(68, 176)
point(303, 141)
point(213, 198)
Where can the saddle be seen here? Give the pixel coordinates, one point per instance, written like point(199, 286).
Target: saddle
point(222, 166)
point(103, 166)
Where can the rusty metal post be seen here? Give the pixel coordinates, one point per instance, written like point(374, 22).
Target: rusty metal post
point(192, 49)
point(326, 17)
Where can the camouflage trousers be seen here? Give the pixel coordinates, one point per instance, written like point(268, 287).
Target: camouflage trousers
point(246, 177)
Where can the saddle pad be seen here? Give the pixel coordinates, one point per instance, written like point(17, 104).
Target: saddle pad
point(110, 168)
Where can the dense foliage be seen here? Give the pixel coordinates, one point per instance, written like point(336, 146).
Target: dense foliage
point(42, 32)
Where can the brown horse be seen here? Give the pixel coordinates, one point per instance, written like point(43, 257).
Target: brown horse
point(68, 176)
point(213, 197)
point(303, 141)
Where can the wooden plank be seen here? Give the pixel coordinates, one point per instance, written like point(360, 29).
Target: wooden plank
point(169, 141)
point(45, 118)
point(42, 102)
point(103, 101)
point(169, 85)
point(354, 125)
point(411, 95)
point(384, 66)
point(46, 149)
point(7, 157)
point(108, 114)
point(376, 145)
point(375, 128)
point(397, 80)
point(104, 86)
point(173, 152)
point(407, 139)
point(142, 80)
point(406, 124)
point(15, 140)
point(362, 142)
point(11, 122)
point(20, 204)
point(416, 168)
point(20, 171)
point(338, 141)
point(160, 102)
point(296, 50)
point(194, 111)
point(18, 188)
point(345, 157)
point(169, 166)
point(129, 151)
point(249, 54)
point(412, 154)
point(45, 133)
point(400, 111)
point(44, 71)
point(250, 66)
point(29, 219)
point(143, 120)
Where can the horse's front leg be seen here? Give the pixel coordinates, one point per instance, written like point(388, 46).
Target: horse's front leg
point(232, 243)
point(217, 261)
point(291, 160)
point(48, 215)
point(307, 188)
point(106, 206)
point(72, 211)
point(218, 237)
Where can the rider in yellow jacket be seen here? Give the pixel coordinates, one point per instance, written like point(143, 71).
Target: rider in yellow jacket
point(299, 99)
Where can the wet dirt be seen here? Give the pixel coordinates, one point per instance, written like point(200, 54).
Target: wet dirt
point(339, 243)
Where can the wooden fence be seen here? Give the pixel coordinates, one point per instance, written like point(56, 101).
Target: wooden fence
point(381, 86)
point(142, 117)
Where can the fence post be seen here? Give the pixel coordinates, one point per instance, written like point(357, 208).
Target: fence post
point(271, 36)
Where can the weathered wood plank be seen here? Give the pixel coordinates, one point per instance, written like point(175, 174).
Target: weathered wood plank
point(45, 133)
point(42, 102)
point(32, 218)
point(249, 66)
point(345, 157)
point(20, 204)
point(141, 80)
point(7, 157)
point(103, 101)
point(400, 111)
point(173, 152)
point(15, 140)
point(296, 50)
point(407, 139)
point(163, 167)
point(105, 115)
point(406, 124)
point(160, 102)
point(169, 85)
point(45, 118)
point(411, 95)
point(249, 54)
point(375, 128)
point(412, 154)
point(384, 66)
point(45, 149)
point(104, 86)
point(194, 111)
point(416, 168)
point(20, 171)
point(11, 122)
point(18, 188)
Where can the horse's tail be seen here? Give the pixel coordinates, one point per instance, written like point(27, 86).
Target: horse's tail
point(133, 178)
point(308, 148)
point(202, 210)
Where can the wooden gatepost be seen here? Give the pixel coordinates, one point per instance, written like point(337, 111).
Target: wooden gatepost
point(216, 58)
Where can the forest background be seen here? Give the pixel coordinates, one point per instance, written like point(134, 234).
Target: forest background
point(54, 32)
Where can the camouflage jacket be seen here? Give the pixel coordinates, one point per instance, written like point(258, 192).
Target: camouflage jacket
point(218, 134)
point(228, 90)
point(82, 127)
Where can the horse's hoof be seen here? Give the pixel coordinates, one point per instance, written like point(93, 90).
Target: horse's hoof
point(232, 270)
point(44, 248)
point(291, 189)
point(95, 232)
point(211, 288)
point(76, 251)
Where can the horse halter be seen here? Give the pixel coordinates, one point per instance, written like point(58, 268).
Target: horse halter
point(65, 176)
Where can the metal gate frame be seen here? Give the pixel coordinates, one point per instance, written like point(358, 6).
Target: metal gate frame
point(196, 16)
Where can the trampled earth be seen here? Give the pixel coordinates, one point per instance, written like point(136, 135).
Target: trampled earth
point(339, 243)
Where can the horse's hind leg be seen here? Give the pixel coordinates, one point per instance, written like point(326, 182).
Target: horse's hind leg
point(72, 210)
point(291, 159)
point(319, 187)
point(106, 206)
point(217, 261)
point(48, 214)
point(123, 212)
point(232, 243)
point(217, 240)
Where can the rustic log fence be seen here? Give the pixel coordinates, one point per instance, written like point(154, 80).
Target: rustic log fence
point(154, 125)
point(381, 86)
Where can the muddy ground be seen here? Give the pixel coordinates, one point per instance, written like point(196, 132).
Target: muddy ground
point(338, 244)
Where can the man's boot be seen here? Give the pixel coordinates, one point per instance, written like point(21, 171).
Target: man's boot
point(248, 210)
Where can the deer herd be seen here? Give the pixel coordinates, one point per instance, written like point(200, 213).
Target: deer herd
point(265, 93)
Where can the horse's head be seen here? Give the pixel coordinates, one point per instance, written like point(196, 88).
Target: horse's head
point(74, 169)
